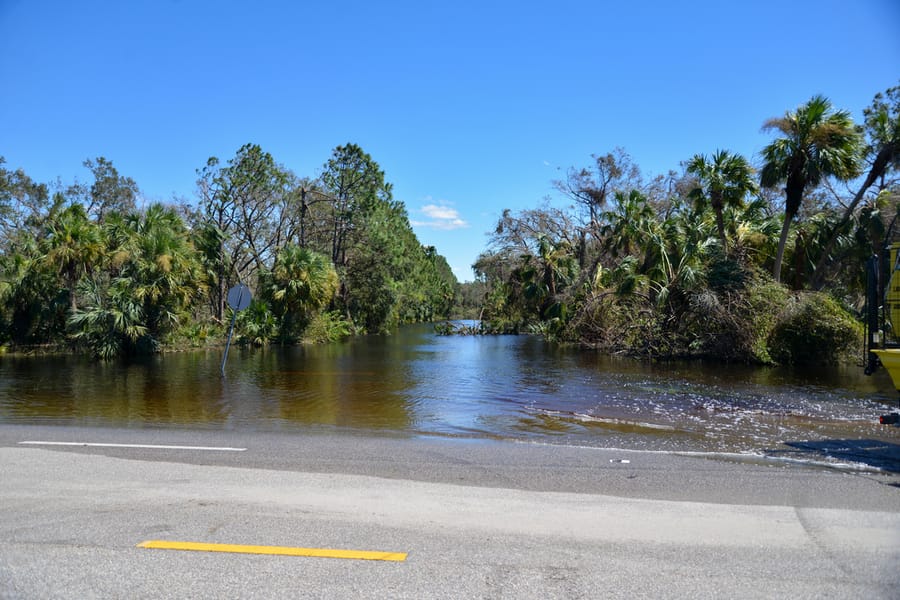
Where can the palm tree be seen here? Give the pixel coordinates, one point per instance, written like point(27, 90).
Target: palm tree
point(558, 262)
point(161, 266)
point(628, 224)
point(882, 151)
point(675, 252)
point(33, 309)
point(543, 277)
point(111, 322)
point(724, 180)
point(818, 142)
point(74, 245)
point(756, 231)
point(302, 282)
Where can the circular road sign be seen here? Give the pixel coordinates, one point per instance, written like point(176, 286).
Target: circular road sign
point(239, 297)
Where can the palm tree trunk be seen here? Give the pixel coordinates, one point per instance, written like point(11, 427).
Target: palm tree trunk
point(71, 281)
point(779, 256)
point(878, 167)
point(720, 225)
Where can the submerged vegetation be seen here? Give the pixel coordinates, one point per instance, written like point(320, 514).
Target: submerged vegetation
point(84, 268)
point(718, 261)
point(723, 259)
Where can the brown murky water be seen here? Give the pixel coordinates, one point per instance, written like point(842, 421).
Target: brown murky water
point(506, 387)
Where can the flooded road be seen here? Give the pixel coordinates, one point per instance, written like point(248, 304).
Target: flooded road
point(474, 387)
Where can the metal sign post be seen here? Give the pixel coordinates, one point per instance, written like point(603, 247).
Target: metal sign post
point(238, 299)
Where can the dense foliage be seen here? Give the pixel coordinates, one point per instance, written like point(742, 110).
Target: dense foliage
point(724, 259)
point(689, 264)
point(325, 258)
point(813, 329)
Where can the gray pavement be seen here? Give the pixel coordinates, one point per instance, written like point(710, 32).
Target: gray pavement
point(478, 520)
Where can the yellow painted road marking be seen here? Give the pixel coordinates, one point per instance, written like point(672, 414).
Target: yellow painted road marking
point(278, 550)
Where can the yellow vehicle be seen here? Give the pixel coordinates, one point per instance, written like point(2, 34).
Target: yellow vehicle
point(883, 318)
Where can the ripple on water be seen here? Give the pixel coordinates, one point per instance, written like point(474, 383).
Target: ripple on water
point(505, 387)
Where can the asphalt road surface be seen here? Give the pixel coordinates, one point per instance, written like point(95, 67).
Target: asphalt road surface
point(473, 519)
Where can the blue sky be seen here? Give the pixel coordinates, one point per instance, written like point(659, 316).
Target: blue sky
point(469, 107)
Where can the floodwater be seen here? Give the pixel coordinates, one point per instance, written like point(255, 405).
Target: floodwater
point(475, 387)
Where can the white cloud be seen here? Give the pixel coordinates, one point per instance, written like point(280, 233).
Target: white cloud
point(440, 216)
point(440, 212)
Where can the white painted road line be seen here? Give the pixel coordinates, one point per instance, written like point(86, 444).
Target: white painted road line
point(146, 446)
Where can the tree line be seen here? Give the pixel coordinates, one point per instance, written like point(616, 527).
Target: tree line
point(325, 256)
point(723, 259)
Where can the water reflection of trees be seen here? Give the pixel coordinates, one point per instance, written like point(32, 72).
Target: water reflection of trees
point(358, 384)
point(413, 380)
point(170, 389)
point(36, 388)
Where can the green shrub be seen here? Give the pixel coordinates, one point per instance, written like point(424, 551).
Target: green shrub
point(196, 334)
point(112, 322)
point(729, 322)
point(611, 323)
point(256, 326)
point(327, 327)
point(766, 301)
point(814, 329)
point(735, 325)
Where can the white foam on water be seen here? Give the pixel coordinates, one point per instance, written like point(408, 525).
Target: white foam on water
point(744, 457)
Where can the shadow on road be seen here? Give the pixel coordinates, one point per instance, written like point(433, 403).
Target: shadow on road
point(875, 453)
